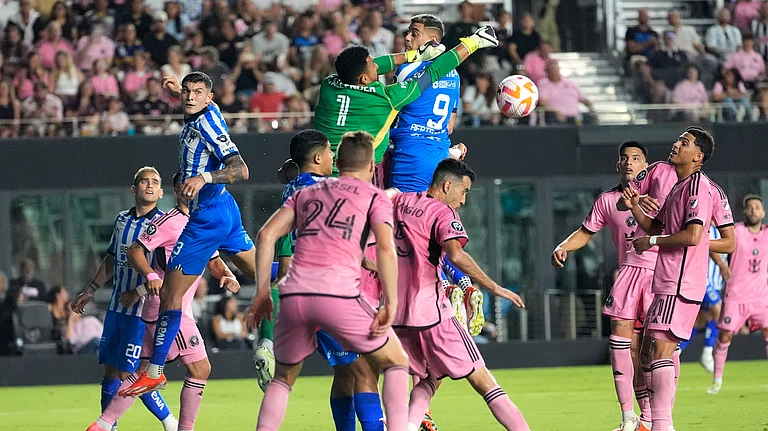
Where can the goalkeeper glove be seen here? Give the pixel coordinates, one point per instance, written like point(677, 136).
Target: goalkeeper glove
point(484, 37)
point(425, 52)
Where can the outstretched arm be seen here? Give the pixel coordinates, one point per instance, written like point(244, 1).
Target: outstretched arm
point(578, 239)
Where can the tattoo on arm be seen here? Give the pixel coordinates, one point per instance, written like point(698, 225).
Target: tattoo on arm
point(235, 170)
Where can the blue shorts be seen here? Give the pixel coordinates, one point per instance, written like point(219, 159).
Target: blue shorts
point(711, 298)
point(332, 350)
point(412, 170)
point(210, 228)
point(120, 344)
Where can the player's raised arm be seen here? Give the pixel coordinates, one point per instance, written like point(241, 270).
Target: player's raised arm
point(578, 239)
point(426, 52)
point(219, 269)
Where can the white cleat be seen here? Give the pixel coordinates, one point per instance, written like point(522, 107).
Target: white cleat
point(456, 296)
point(715, 388)
point(475, 315)
point(264, 362)
point(708, 362)
point(629, 425)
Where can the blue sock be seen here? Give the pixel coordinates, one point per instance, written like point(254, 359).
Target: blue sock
point(369, 413)
point(165, 333)
point(343, 411)
point(711, 334)
point(685, 344)
point(109, 389)
point(155, 403)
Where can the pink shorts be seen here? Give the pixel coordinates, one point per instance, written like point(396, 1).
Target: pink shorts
point(370, 286)
point(631, 295)
point(672, 315)
point(188, 345)
point(734, 315)
point(444, 350)
point(347, 320)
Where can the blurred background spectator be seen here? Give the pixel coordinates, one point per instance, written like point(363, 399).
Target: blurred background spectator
point(31, 287)
point(228, 325)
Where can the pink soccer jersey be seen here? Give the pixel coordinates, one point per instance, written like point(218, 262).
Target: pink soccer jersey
point(422, 225)
point(621, 223)
point(161, 235)
point(683, 271)
point(749, 277)
point(722, 215)
point(333, 220)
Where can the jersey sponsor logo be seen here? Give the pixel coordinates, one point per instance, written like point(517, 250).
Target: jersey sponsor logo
point(694, 203)
point(630, 221)
point(151, 229)
point(161, 330)
point(455, 225)
point(158, 401)
point(444, 84)
point(122, 263)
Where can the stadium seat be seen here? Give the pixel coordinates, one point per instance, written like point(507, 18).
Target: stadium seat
point(36, 326)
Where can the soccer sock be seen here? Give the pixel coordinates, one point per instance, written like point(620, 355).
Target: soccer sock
point(109, 388)
point(343, 412)
point(504, 410)
point(721, 353)
point(421, 395)
point(395, 395)
point(191, 397)
point(267, 328)
point(663, 371)
point(369, 412)
point(684, 344)
point(641, 393)
point(273, 406)
point(165, 333)
point(155, 403)
point(711, 334)
point(676, 367)
point(118, 405)
point(623, 370)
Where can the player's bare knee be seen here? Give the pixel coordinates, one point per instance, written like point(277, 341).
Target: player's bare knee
point(122, 375)
point(111, 372)
point(622, 328)
point(199, 370)
point(482, 381)
point(287, 373)
point(725, 337)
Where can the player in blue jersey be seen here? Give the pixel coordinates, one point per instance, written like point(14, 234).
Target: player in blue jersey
point(121, 339)
point(208, 159)
point(420, 135)
point(718, 272)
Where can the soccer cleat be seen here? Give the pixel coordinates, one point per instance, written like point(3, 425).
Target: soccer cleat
point(456, 296)
point(264, 362)
point(644, 426)
point(143, 385)
point(629, 425)
point(714, 388)
point(708, 362)
point(428, 424)
point(95, 427)
point(473, 301)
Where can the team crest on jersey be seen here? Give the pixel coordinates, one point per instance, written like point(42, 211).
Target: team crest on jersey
point(609, 301)
point(151, 229)
point(455, 225)
point(755, 252)
point(694, 203)
point(631, 222)
point(641, 176)
point(727, 320)
point(194, 341)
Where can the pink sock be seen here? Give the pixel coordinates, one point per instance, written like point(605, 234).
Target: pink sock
point(676, 363)
point(663, 371)
point(721, 353)
point(119, 405)
point(273, 406)
point(643, 397)
point(394, 393)
point(191, 397)
point(504, 410)
point(421, 395)
point(623, 370)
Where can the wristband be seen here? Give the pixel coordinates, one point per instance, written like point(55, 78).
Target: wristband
point(152, 276)
point(653, 239)
point(207, 177)
point(142, 290)
point(470, 44)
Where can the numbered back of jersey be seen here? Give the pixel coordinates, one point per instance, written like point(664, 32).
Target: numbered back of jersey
point(431, 113)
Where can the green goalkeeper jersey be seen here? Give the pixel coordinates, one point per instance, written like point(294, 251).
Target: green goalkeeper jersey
point(372, 108)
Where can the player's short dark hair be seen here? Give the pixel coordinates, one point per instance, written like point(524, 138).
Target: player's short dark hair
point(196, 77)
point(751, 197)
point(176, 179)
point(430, 22)
point(350, 64)
point(703, 140)
point(355, 151)
point(307, 143)
point(450, 168)
point(152, 169)
point(633, 144)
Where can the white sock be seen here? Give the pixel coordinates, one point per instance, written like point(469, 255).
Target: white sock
point(706, 352)
point(412, 427)
point(720, 380)
point(170, 423)
point(625, 416)
point(266, 342)
point(103, 424)
point(154, 371)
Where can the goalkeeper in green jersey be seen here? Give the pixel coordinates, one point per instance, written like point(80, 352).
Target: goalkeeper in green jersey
point(354, 98)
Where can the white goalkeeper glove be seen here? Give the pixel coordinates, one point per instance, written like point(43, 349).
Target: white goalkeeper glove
point(484, 37)
point(425, 52)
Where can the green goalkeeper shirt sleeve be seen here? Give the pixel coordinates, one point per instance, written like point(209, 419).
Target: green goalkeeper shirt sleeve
point(283, 248)
point(385, 63)
point(403, 93)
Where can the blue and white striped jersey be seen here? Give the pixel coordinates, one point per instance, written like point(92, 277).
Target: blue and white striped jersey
point(127, 229)
point(204, 144)
point(714, 278)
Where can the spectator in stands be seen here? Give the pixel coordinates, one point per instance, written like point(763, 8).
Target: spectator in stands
point(29, 21)
point(153, 108)
point(641, 41)
point(177, 20)
point(134, 82)
point(60, 14)
point(688, 40)
point(10, 323)
point(301, 46)
point(101, 14)
point(175, 67)
point(321, 68)
point(114, 121)
point(747, 61)
point(390, 17)
point(267, 101)
point(52, 43)
point(31, 287)
point(13, 49)
point(270, 43)
point(246, 75)
point(467, 25)
point(158, 41)
point(10, 114)
point(227, 99)
point(230, 45)
point(479, 101)
point(298, 114)
point(535, 62)
point(524, 39)
point(691, 91)
point(136, 14)
point(338, 35)
point(212, 67)
point(731, 92)
point(666, 67)
point(128, 45)
point(86, 108)
point(561, 98)
point(503, 33)
point(58, 298)
point(193, 49)
point(104, 84)
point(723, 39)
point(228, 326)
point(199, 309)
point(93, 47)
point(380, 35)
point(365, 40)
point(760, 30)
point(31, 74)
point(744, 11)
point(210, 23)
point(84, 333)
point(66, 78)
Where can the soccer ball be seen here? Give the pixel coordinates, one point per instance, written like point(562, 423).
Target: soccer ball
point(517, 96)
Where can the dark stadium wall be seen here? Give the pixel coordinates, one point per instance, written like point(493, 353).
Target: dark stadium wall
point(494, 152)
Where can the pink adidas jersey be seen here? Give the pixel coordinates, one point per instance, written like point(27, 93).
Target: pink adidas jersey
point(333, 220)
point(749, 277)
point(656, 181)
point(161, 235)
point(422, 225)
point(683, 271)
point(621, 223)
point(722, 215)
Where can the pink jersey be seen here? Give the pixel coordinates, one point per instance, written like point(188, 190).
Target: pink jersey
point(749, 277)
point(161, 235)
point(722, 215)
point(422, 225)
point(655, 181)
point(621, 224)
point(333, 220)
point(683, 271)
